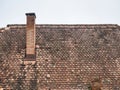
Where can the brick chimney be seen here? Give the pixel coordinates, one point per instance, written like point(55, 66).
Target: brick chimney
point(30, 57)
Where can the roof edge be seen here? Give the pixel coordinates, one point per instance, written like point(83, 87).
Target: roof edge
point(81, 26)
point(64, 24)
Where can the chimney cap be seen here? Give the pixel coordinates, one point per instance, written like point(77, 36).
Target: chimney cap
point(30, 14)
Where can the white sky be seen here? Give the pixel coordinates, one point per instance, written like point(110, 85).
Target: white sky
point(60, 11)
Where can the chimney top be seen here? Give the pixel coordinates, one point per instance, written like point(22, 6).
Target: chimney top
point(30, 14)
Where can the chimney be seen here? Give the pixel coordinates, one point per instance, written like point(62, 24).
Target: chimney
point(30, 57)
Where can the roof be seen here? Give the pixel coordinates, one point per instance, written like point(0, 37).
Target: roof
point(68, 56)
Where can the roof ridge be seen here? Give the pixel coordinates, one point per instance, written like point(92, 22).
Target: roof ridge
point(64, 24)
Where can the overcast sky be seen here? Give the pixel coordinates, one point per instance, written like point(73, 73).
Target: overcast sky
point(60, 11)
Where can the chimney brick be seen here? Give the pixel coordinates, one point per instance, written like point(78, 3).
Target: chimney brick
point(30, 33)
point(30, 37)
